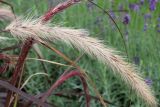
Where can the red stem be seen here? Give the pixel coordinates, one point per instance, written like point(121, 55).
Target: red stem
point(60, 7)
point(62, 79)
point(18, 68)
point(24, 52)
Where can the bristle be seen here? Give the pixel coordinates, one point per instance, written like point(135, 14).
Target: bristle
point(79, 38)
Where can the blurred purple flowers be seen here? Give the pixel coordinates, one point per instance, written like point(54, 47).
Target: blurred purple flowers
point(141, 2)
point(158, 25)
point(126, 19)
point(147, 19)
point(148, 81)
point(112, 14)
point(152, 4)
point(147, 16)
point(134, 7)
point(90, 6)
point(158, 28)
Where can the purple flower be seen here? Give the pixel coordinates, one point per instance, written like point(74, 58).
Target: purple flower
point(134, 7)
point(158, 28)
point(126, 19)
point(159, 19)
point(147, 16)
point(112, 14)
point(90, 6)
point(147, 20)
point(152, 5)
point(148, 81)
point(158, 25)
point(120, 7)
point(141, 2)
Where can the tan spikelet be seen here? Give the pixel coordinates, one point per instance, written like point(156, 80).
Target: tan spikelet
point(6, 14)
point(79, 38)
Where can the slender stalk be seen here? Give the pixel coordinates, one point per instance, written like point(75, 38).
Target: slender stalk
point(60, 7)
point(19, 66)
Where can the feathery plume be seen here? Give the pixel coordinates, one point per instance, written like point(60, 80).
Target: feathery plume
point(6, 14)
point(79, 38)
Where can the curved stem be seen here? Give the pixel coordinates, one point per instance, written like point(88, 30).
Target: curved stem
point(65, 77)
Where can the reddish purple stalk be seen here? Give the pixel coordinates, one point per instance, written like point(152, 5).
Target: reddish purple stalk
point(24, 52)
point(18, 68)
point(60, 7)
point(65, 77)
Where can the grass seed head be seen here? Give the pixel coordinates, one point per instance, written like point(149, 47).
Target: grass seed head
point(79, 38)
